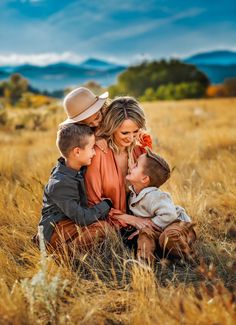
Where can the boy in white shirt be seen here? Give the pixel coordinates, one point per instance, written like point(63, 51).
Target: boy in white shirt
point(173, 231)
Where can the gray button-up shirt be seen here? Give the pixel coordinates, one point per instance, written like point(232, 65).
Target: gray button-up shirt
point(152, 203)
point(65, 197)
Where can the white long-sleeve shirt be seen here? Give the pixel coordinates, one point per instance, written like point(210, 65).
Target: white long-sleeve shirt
point(152, 203)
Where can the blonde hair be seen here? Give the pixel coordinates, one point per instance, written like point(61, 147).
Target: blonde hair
point(119, 110)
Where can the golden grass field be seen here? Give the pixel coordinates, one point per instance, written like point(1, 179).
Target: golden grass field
point(107, 286)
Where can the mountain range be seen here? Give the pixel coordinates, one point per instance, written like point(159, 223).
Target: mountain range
point(217, 65)
point(61, 75)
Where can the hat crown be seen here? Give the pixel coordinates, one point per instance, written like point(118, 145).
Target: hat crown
point(78, 101)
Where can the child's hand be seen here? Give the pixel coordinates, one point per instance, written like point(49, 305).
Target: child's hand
point(102, 144)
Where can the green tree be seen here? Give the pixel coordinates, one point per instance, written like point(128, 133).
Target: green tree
point(14, 88)
point(116, 90)
point(149, 95)
point(180, 91)
point(3, 115)
point(137, 79)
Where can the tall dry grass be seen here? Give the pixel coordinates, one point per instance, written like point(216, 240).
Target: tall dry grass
point(107, 285)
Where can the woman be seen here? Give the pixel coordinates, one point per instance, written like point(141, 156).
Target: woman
point(105, 177)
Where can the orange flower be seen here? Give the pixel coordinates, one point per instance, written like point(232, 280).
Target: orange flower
point(145, 140)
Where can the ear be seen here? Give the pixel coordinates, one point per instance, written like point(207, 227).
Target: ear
point(76, 151)
point(146, 180)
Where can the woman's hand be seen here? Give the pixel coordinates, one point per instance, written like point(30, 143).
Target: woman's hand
point(136, 222)
point(144, 139)
point(102, 144)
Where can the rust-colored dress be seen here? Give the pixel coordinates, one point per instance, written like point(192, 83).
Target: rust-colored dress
point(104, 179)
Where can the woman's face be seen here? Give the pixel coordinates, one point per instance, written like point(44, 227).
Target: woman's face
point(124, 135)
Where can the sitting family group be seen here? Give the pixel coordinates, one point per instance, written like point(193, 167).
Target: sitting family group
point(108, 179)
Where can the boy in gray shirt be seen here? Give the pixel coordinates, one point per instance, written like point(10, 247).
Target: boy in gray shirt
point(66, 216)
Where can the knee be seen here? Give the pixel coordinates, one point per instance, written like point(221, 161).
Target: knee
point(178, 241)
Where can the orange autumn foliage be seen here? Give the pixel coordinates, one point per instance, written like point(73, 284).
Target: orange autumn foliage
point(216, 91)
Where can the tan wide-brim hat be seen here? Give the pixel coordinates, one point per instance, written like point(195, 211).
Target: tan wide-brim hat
point(81, 103)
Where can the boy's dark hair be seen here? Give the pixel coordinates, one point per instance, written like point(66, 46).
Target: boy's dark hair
point(70, 136)
point(156, 168)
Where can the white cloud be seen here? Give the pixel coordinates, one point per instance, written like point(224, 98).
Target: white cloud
point(137, 29)
point(40, 59)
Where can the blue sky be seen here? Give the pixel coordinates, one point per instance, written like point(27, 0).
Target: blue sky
point(47, 31)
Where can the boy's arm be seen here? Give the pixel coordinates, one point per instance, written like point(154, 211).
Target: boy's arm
point(162, 208)
point(65, 196)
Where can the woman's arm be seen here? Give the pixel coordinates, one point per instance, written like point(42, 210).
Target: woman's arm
point(137, 222)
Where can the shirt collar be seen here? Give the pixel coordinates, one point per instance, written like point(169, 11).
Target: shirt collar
point(137, 197)
point(61, 166)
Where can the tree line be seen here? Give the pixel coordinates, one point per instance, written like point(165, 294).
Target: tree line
point(147, 81)
point(161, 80)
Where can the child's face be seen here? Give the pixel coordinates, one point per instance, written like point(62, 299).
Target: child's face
point(136, 175)
point(85, 155)
point(94, 120)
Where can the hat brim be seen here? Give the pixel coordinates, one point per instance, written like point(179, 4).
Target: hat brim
point(90, 111)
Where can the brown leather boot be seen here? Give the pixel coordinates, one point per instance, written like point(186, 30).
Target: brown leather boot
point(147, 244)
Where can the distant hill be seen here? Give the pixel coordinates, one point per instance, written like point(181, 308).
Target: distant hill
point(93, 63)
point(62, 74)
point(214, 57)
point(3, 74)
point(217, 65)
